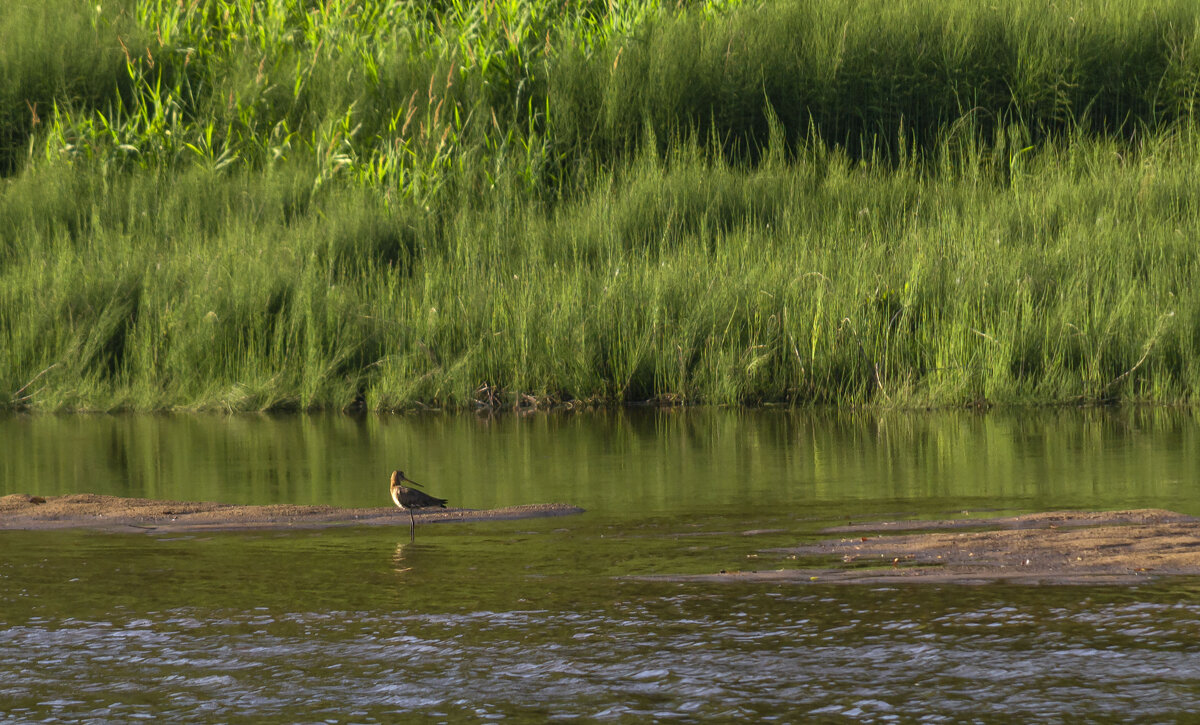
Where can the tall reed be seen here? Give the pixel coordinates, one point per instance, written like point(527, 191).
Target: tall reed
point(271, 205)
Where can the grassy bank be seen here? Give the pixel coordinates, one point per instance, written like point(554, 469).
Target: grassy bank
point(247, 207)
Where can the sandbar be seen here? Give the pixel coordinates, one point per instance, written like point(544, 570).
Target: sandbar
point(114, 513)
point(1058, 547)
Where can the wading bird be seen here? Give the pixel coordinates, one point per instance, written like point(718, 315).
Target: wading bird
point(408, 499)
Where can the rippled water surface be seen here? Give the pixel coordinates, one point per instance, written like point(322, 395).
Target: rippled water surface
point(537, 620)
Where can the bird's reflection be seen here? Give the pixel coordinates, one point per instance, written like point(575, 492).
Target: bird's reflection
point(399, 565)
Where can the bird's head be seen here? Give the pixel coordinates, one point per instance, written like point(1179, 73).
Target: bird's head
point(398, 477)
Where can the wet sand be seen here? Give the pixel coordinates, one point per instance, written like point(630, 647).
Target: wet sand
point(113, 513)
point(1061, 547)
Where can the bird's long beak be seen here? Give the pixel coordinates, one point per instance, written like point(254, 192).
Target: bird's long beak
point(406, 479)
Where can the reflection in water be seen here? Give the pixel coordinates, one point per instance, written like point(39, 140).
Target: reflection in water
point(533, 619)
point(664, 461)
point(398, 563)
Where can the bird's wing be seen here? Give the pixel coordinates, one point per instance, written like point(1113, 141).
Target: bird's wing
point(424, 500)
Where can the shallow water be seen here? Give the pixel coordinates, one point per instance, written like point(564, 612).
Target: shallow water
point(533, 620)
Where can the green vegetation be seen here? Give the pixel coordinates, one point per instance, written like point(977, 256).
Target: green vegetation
point(218, 204)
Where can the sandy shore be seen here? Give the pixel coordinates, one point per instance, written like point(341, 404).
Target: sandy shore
point(88, 510)
point(1061, 547)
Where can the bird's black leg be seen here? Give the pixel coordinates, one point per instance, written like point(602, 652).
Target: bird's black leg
point(412, 526)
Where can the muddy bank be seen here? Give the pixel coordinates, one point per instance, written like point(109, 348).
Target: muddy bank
point(1045, 520)
point(93, 511)
point(1061, 547)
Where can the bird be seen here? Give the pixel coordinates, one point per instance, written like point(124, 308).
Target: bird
point(408, 499)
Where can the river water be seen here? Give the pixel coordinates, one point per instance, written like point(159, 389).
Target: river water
point(539, 620)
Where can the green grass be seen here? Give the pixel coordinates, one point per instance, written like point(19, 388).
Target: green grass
point(275, 205)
